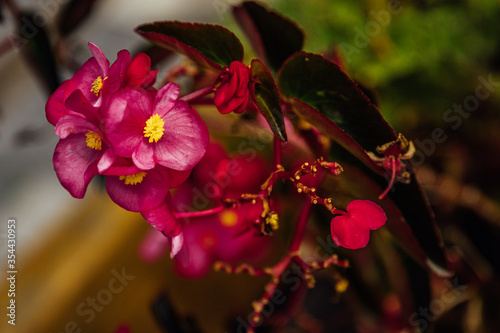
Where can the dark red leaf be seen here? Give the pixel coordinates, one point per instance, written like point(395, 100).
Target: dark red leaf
point(208, 45)
point(273, 36)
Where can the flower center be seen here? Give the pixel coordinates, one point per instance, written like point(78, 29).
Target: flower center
point(134, 179)
point(154, 128)
point(97, 85)
point(228, 218)
point(93, 140)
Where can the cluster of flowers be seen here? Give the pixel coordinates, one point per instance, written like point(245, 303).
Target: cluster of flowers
point(112, 122)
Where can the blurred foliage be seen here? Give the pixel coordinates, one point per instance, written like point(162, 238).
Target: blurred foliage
point(427, 56)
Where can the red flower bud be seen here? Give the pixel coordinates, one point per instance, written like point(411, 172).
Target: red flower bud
point(233, 94)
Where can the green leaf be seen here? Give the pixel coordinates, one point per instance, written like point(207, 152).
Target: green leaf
point(322, 84)
point(266, 95)
point(273, 37)
point(208, 45)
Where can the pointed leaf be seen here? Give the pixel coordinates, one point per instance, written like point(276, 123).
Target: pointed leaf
point(322, 84)
point(273, 37)
point(413, 203)
point(331, 130)
point(266, 95)
point(206, 44)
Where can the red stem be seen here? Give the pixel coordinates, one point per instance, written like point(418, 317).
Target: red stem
point(393, 177)
point(300, 229)
point(199, 213)
point(197, 94)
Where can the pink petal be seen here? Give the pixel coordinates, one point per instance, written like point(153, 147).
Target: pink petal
point(162, 218)
point(150, 78)
point(75, 164)
point(106, 161)
point(78, 103)
point(121, 166)
point(83, 79)
point(55, 109)
point(148, 194)
point(373, 214)
point(138, 70)
point(100, 58)
point(73, 124)
point(193, 261)
point(178, 177)
point(185, 139)
point(153, 246)
point(143, 155)
point(166, 99)
point(116, 74)
point(127, 114)
point(177, 243)
point(348, 233)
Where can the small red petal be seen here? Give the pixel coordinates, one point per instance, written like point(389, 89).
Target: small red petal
point(348, 233)
point(373, 214)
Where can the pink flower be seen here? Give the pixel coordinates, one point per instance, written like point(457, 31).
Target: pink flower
point(233, 93)
point(352, 229)
point(97, 81)
point(155, 130)
point(81, 146)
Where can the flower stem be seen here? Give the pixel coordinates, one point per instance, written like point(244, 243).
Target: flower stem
point(199, 213)
point(391, 182)
point(300, 229)
point(197, 94)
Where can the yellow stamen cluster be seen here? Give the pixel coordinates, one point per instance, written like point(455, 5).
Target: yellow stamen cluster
point(272, 220)
point(97, 85)
point(154, 128)
point(133, 179)
point(93, 140)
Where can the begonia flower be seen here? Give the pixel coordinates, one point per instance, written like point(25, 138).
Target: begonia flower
point(97, 80)
point(156, 130)
point(232, 93)
point(351, 229)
